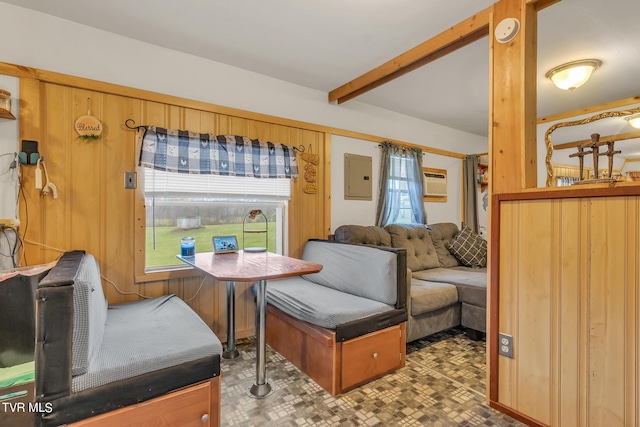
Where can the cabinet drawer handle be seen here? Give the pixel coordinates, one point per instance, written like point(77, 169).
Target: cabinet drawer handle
point(204, 418)
point(375, 355)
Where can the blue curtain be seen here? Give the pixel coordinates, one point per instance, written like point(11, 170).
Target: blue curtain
point(400, 178)
point(471, 192)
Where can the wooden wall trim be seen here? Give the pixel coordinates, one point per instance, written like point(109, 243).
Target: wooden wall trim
point(593, 190)
point(608, 138)
point(379, 139)
point(111, 88)
point(17, 70)
point(30, 127)
point(494, 300)
point(327, 185)
point(589, 110)
point(516, 415)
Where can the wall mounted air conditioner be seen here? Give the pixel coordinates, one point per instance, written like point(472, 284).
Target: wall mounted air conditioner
point(435, 184)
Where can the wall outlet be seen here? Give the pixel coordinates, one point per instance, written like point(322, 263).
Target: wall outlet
point(505, 345)
point(130, 180)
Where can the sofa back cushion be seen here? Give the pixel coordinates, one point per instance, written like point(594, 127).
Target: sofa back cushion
point(363, 234)
point(469, 248)
point(363, 271)
point(441, 235)
point(89, 316)
point(421, 254)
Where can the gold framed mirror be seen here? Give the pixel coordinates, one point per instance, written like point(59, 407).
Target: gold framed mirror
point(622, 131)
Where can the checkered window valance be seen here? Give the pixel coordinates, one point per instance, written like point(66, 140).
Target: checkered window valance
point(204, 153)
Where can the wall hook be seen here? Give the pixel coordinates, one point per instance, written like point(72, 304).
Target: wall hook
point(132, 126)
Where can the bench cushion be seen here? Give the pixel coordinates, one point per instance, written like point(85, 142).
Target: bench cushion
point(90, 314)
point(470, 283)
point(430, 296)
point(132, 344)
point(320, 305)
point(344, 270)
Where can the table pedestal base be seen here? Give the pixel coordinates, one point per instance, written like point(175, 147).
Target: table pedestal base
point(260, 391)
point(247, 267)
point(261, 387)
point(231, 352)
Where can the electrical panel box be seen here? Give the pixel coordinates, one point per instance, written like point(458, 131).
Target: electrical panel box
point(357, 177)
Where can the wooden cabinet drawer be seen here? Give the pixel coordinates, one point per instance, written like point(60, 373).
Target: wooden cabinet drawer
point(372, 355)
point(190, 406)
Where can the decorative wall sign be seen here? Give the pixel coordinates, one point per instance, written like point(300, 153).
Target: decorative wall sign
point(88, 127)
point(5, 105)
point(310, 174)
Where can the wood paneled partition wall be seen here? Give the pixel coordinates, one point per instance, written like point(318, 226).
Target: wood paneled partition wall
point(568, 289)
point(96, 213)
point(564, 274)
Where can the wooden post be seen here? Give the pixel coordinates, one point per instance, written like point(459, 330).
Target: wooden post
point(512, 135)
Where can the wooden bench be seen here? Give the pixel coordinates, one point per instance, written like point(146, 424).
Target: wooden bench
point(356, 350)
point(336, 366)
point(146, 362)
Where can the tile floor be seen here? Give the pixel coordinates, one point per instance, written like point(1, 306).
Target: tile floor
point(442, 384)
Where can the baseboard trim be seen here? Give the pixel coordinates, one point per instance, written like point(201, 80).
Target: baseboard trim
point(516, 415)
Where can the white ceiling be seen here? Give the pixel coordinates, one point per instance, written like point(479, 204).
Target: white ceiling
point(324, 44)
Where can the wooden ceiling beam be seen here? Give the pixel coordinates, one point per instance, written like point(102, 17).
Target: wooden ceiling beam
point(541, 4)
point(462, 34)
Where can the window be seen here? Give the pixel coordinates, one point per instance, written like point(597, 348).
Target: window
point(401, 198)
point(398, 184)
point(202, 206)
point(563, 181)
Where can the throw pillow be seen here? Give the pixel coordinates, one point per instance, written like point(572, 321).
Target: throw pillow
point(469, 248)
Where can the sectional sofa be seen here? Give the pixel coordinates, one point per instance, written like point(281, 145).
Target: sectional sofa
point(442, 292)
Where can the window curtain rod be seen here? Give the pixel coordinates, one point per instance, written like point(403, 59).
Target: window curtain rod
point(131, 124)
point(405, 147)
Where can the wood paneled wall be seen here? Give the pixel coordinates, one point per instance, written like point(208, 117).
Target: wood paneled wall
point(96, 213)
point(569, 293)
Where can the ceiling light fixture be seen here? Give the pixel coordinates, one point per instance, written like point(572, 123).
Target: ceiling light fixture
point(634, 120)
point(573, 74)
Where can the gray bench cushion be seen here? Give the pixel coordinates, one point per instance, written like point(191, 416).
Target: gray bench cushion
point(344, 270)
point(90, 313)
point(132, 345)
point(471, 283)
point(320, 305)
point(430, 296)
